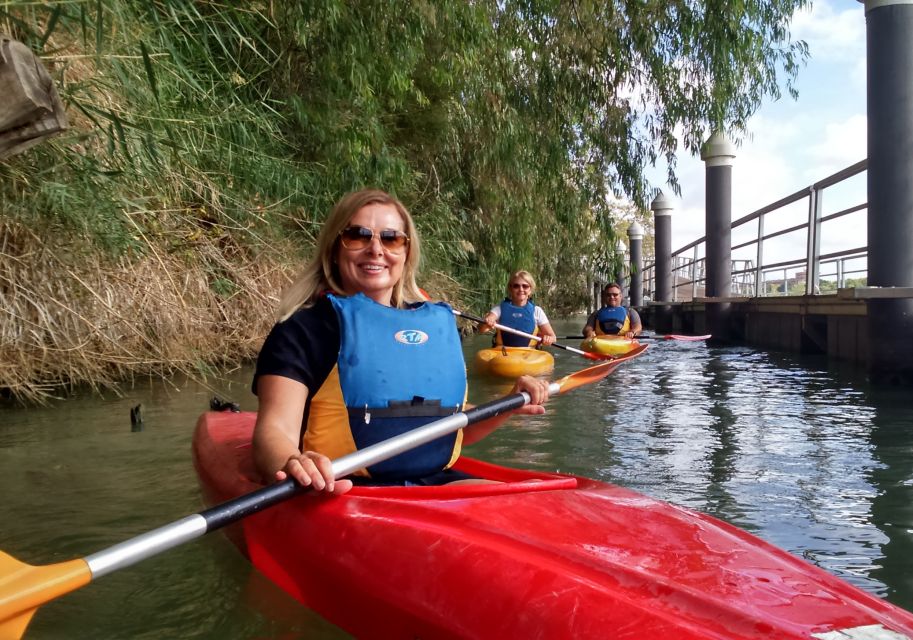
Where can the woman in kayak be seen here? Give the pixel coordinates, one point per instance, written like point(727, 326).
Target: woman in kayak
point(517, 311)
point(358, 356)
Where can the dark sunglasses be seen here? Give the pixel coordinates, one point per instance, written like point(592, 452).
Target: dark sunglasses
point(356, 237)
point(519, 285)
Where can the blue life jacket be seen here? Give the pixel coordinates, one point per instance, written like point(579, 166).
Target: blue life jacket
point(612, 321)
point(400, 369)
point(519, 318)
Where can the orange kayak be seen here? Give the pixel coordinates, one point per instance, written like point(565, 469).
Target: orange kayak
point(513, 362)
point(609, 345)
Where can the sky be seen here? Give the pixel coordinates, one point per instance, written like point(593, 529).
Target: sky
point(794, 143)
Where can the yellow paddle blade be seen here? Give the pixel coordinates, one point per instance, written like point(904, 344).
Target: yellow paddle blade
point(24, 588)
point(598, 372)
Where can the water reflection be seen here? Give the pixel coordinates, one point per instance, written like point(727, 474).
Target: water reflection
point(891, 438)
point(723, 451)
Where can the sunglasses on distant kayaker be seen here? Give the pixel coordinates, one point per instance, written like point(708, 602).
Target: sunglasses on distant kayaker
point(356, 237)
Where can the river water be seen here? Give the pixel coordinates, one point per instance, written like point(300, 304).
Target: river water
point(803, 453)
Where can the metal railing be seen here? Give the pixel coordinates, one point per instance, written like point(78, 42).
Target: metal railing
point(811, 274)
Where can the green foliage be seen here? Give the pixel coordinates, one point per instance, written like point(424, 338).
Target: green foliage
point(507, 127)
point(830, 286)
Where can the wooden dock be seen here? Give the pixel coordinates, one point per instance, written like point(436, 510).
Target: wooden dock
point(833, 324)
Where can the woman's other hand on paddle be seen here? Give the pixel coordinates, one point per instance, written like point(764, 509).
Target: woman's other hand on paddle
point(490, 322)
point(311, 469)
point(547, 334)
point(538, 394)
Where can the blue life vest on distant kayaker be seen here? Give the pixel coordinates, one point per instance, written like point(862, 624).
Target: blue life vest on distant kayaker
point(612, 321)
point(519, 318)
point(399, 369)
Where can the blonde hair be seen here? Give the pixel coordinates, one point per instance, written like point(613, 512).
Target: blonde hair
point(525, 275)
point(321, 272)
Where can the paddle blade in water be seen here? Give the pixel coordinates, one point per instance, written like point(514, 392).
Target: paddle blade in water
point(598, 372)
point(24, 588)
point(685, 338)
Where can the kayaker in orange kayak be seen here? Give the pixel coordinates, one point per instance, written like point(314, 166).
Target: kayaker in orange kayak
point(359, 355)
point(613, 319)
point(518, 311)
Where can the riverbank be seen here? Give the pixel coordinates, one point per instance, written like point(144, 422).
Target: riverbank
point(71, 318)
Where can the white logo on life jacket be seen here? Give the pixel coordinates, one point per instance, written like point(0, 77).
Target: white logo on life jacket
point(411, 336)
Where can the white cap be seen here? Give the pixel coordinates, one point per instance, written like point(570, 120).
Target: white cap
point(718, 151)
point(661, 205)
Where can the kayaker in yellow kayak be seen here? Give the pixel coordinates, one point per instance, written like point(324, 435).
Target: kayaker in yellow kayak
point(518, 311)
point(613, 319)
point(359, 355)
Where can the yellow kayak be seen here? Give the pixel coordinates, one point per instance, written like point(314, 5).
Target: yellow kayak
point(514, 362)
point(609, 345)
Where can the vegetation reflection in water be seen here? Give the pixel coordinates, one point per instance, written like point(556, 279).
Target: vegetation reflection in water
point(811, 459)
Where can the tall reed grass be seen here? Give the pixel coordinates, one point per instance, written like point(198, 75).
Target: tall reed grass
point(103, 322)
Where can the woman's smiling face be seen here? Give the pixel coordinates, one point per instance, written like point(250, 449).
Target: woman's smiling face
point(520, 290)
point(373, 270)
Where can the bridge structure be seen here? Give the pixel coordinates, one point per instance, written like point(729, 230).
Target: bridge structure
point(853, 302)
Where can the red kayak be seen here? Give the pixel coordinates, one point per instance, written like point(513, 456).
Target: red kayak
point(540, 555)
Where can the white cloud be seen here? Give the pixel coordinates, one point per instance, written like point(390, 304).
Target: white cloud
point(831, 34)
point(843, 143)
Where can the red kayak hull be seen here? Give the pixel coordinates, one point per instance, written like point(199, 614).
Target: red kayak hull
point(537, 556)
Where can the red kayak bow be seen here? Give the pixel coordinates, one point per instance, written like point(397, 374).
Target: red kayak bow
point(536, 555)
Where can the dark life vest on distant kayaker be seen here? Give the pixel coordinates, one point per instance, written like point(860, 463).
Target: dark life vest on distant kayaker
point(612, 321)
point(519, 318)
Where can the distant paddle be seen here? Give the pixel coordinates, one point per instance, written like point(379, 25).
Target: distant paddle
point(668, 336)
point(24, 588)
point(517, 332)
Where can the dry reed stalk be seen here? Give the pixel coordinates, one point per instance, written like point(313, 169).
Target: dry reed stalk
point(67, 321)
